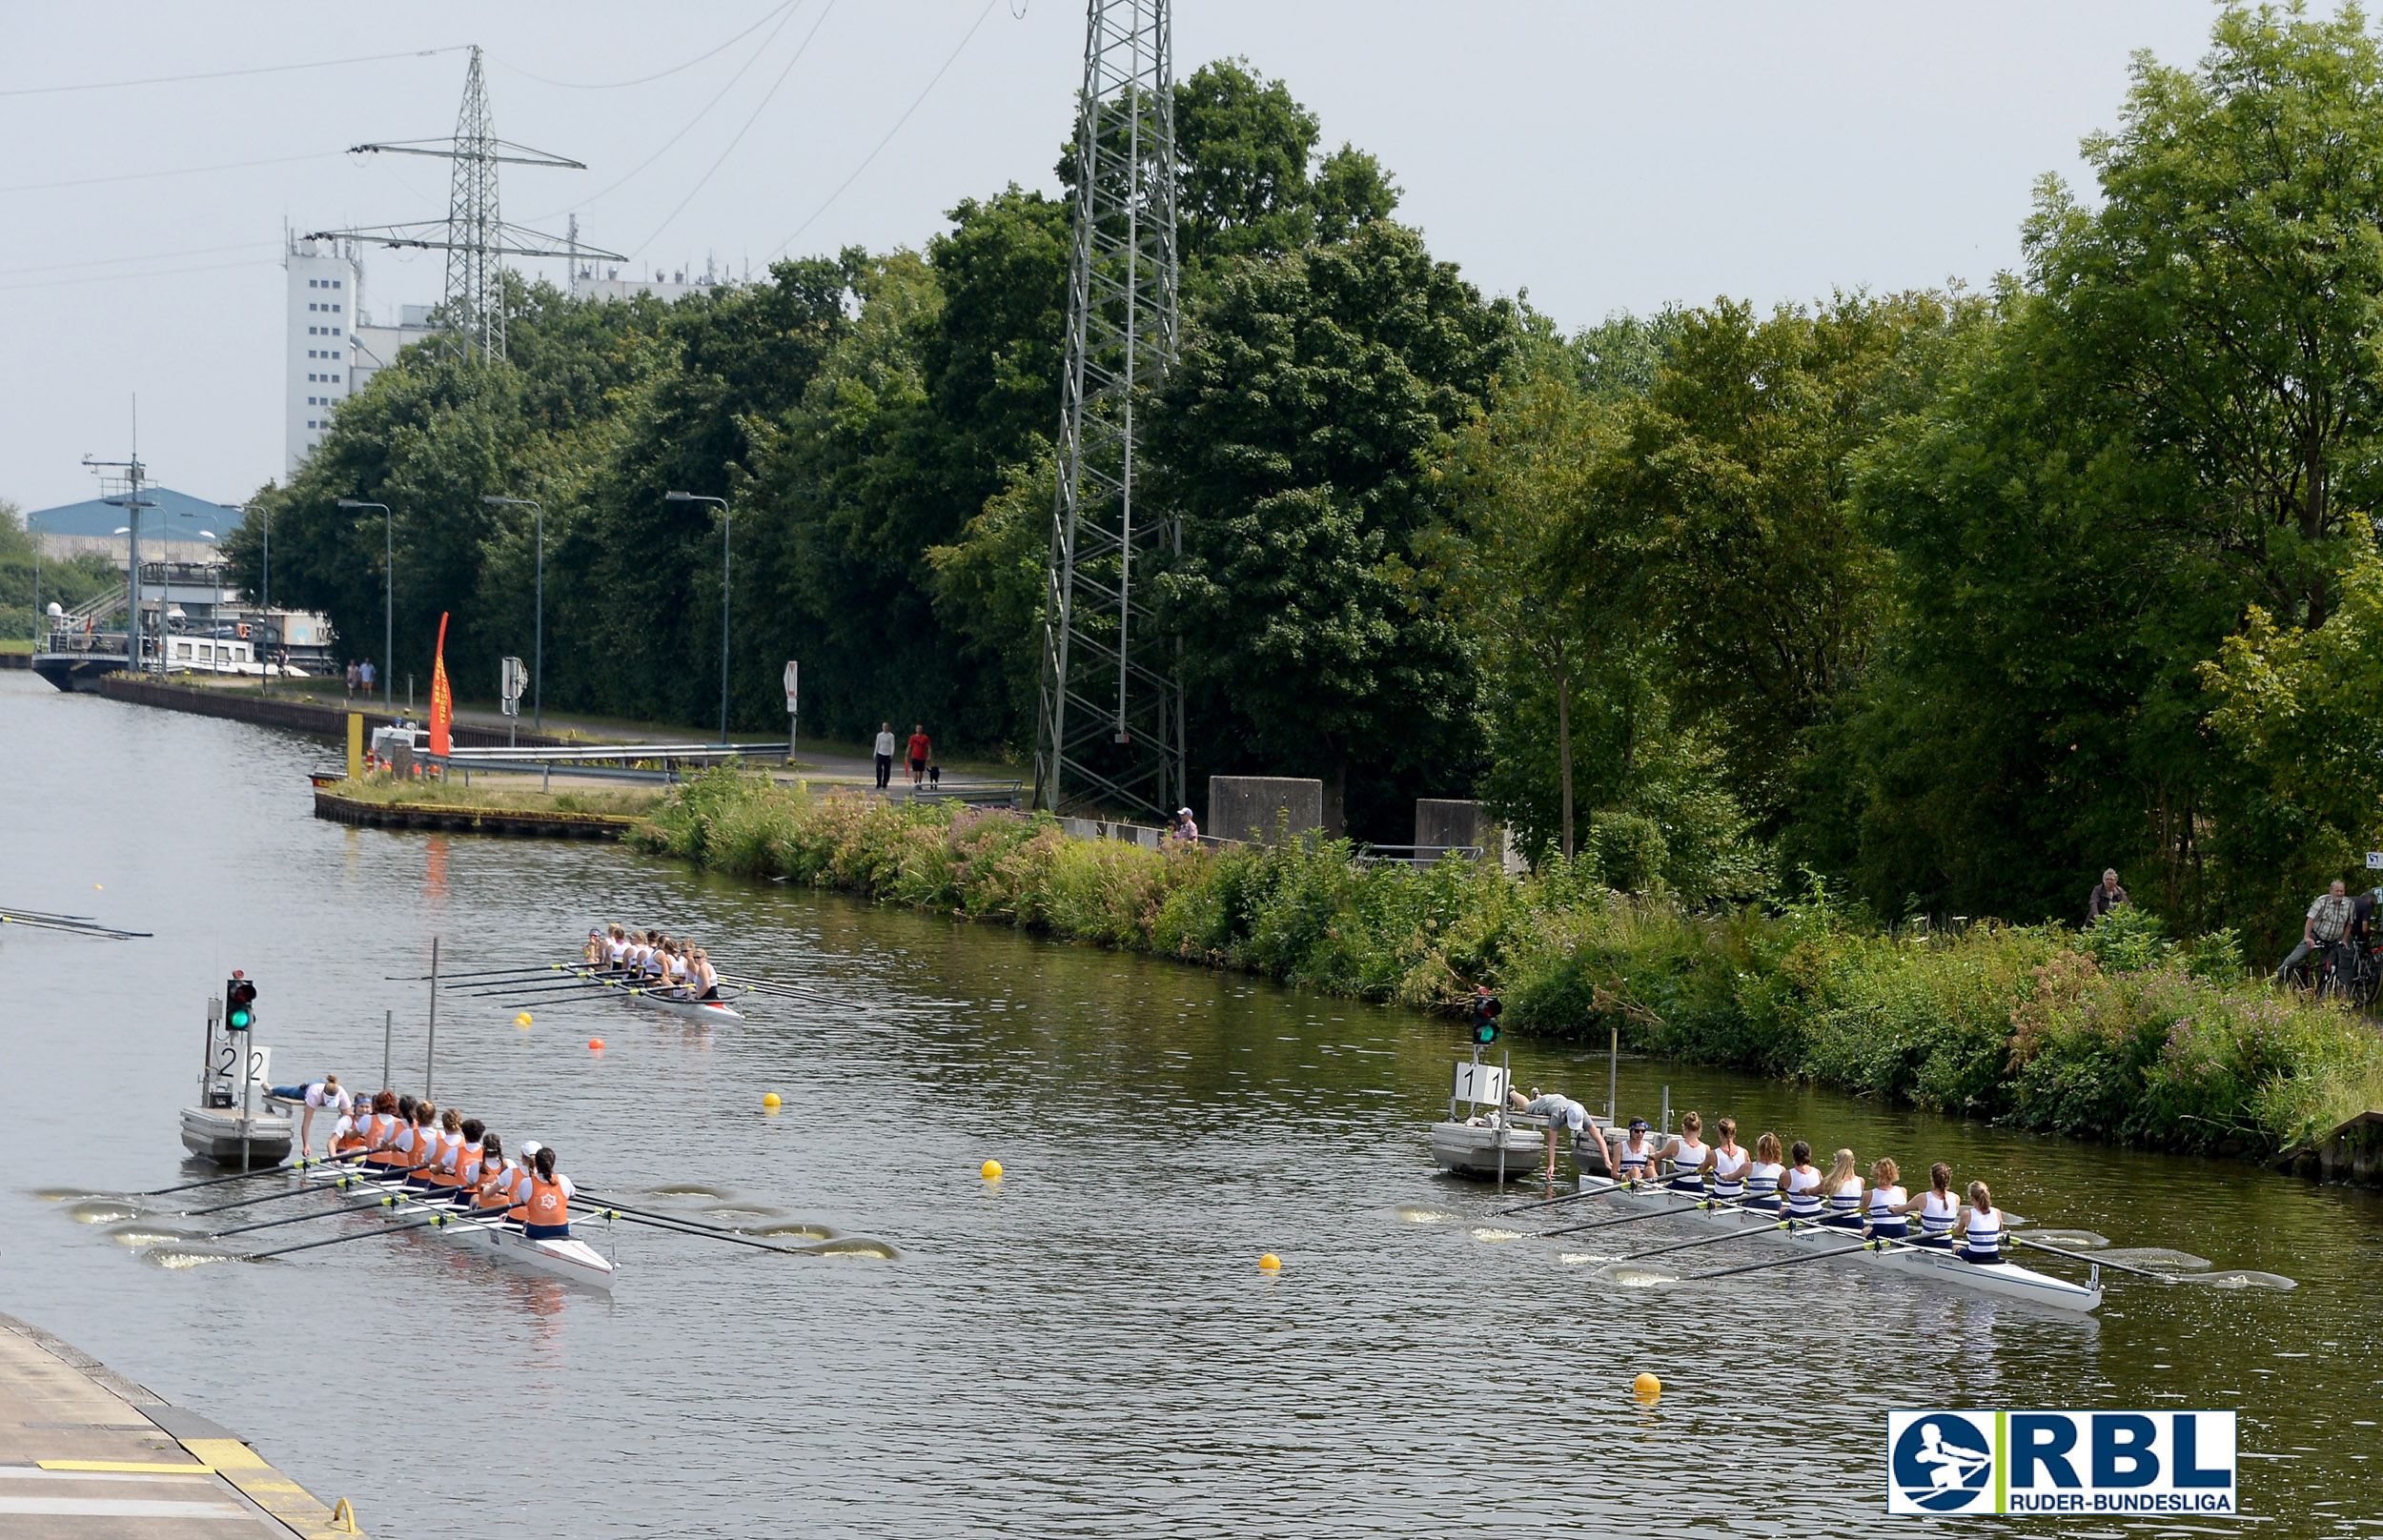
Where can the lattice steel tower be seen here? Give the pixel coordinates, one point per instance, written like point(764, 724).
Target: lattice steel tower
point(474, 235)
point(1110, 727)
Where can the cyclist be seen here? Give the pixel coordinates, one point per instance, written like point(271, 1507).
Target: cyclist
point(2327, 923)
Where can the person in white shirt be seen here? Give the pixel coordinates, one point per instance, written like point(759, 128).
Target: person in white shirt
point(1565, 1118)
point(885, 755)
point(325, 1093)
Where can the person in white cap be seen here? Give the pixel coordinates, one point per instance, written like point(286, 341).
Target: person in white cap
point(1185, 829)
point(1563, 1113)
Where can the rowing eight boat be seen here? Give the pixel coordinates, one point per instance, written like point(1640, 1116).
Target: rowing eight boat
point(573, 1259)
point(2005, 1278)
point(694, 1010)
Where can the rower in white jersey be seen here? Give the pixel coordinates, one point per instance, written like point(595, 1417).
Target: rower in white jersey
point(616, 949)
point(674, 966)
point(1841, 1190)
point(1886, 1202)
point(1937, 1206)
point(1727, 1162)
point(1763, 1176)
point(1978, 1228)
point(1686, 1155)
point(1803, 1186)
point(1632, 1159)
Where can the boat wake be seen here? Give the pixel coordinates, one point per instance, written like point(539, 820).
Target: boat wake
point(2240, 1278)
point(73, 1195)
point(2069, 1240)
point(1487, 1233)
point(177, 1258)
point(1634, 1277)
point(2156, 1256)
point(799, 1229)
point(1417, 1214)
point(853, 1245)
point(151, 1235)
point(103, 1210)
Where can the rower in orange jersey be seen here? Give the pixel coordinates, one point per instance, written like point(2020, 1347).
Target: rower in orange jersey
point(549, 1216)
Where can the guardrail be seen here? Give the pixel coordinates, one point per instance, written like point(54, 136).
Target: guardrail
point(661, 763)
point(989, 794)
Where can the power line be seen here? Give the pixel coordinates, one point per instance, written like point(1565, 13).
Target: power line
point(179, 170)
point(642, 80)
point(147, 257)
point(889, 138)
point(118, 277)
point(228, 74)
point(719, 96)
point(768, 97)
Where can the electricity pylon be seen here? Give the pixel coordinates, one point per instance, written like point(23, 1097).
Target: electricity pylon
point(474, 235)
point(1110, 728)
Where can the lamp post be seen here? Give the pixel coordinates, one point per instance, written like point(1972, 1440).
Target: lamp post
point(538, 638)
point(697, 497)
point(388, 590)
point(264, 660)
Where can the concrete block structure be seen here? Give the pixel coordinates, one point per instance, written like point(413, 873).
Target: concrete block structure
point(1254, 807)
point(1442, 825)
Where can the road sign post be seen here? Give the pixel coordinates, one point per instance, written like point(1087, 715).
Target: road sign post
point(510, 680)
point(794, 713)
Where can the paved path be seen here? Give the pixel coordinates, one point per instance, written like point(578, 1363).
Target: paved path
point(85, 1454)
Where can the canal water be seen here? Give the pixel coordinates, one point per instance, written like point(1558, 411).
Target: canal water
point(1088, 1346)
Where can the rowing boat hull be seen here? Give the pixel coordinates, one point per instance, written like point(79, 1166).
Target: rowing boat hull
point(694, 1010)
point(573, 1260)
point(2007, 1279)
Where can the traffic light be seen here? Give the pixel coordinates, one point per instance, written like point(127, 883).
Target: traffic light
point(239, 999)
point(1485, 1030)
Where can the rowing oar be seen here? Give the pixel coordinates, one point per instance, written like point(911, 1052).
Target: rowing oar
point(2080, 1256)
point(1789, 1262)
point(389, 1201)
point(524, 990)
point(71, 927)
point(427, 1222)
point(701, 1234)
point(1569, 1197)
point(1632, 1219)
point(214, 1182)
point(655, 1213)
point(249, 1203)
point(485, 973)
point(780, 986)
point(1716, 1240)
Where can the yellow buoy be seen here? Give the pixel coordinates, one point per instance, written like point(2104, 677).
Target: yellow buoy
point(1270, 1263)
point(769, 1101)
point(522, 1019)
point(990, 1170)
point(1646, 1388)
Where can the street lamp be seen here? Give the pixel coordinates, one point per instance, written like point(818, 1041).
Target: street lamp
point(388, 591)
point(697, 497)
point(537, 640)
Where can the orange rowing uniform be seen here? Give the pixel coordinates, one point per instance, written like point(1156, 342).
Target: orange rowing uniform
point(356, 1138)
point(446, 1153)
point(384, 1131)
point(467, 1169)
point(496, 1189)
point(519, 1195)
point(549, 1206)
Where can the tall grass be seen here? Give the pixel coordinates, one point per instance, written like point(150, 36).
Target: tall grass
point(2119, 1033)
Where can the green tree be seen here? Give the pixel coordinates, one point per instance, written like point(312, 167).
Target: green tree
point(1242, 145)
point(1293, 441)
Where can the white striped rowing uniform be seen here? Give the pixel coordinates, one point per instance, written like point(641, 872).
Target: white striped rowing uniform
point(1844, 1206)
point(615, 953)
point(1885, 1222)
point(1729, 1173)
point(1638, 1161)
point(1982, 1239)
point(1937, 1210)
point(1803, 1194)
point(1763, 1184)
point(1687, 1166)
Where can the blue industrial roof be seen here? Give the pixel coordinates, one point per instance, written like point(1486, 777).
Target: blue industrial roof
point(183, 516)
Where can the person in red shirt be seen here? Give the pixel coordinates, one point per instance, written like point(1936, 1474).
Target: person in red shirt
point(921, 751)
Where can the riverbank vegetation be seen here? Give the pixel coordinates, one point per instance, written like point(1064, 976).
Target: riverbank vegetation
point(2120, 1033)
point(1949, 599)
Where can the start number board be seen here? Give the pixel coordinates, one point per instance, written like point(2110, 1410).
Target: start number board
point(1480, 1083)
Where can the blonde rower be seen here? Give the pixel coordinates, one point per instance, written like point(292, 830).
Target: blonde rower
point(1763, 1176)
point(1842, 1191)
point(705, 982)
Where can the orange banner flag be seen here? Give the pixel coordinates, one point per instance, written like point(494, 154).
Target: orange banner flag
point(441, 698)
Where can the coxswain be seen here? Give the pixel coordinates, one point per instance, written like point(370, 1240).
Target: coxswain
point(593, 953)
point(1687, 1154)
point(1978, 1228)
point(1632, 1159)
point(1561, 1112)
point(352, 1131)
point(1803, 1186)
point(1728, 1160)
point(1887, 1203)
point(1763, 1176)
point(550, 1201)
point(1938, 1207)
point(1842, 1191)
point(315, 1094)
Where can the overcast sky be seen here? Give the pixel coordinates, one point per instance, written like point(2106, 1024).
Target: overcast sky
point(1602, 156)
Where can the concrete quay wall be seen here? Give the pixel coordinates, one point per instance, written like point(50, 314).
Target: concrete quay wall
point(298, 716)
